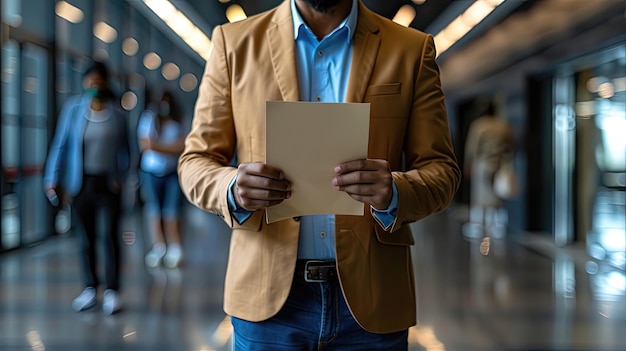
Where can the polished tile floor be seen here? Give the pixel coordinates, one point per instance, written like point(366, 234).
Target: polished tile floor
point(512, 294)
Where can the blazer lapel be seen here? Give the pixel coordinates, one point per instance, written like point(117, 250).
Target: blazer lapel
point(364, 52)
point(282, 50)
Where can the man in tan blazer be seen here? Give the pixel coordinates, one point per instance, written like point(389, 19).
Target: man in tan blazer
point(411, 171)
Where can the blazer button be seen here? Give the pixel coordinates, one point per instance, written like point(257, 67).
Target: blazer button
point(297, 219)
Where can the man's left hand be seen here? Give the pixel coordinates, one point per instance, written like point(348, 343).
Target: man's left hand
point(367, 181)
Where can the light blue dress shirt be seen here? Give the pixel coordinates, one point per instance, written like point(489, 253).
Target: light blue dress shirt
point(323, 70)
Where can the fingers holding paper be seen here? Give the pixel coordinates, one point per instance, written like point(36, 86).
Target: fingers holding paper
point(259, 186)
point(366, 180)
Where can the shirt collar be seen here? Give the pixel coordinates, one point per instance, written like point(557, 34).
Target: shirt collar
point(349, 22)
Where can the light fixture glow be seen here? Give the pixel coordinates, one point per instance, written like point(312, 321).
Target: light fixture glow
point(104, 32)
point(476, 12)
point(464, 23)
point(170, 71)
point(606, 90)
point(235, 13)
point(130, 46)
point(224, 332)
point(405, 15)
point(69, 12)
point(592, 84)
point(495, 3)
point(152, 60)
point(182, 26)
point(188, 82)
point(129, 100)
point(457, 29)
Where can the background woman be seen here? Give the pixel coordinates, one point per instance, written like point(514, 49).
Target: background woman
point(86, 166)
point(161, 137)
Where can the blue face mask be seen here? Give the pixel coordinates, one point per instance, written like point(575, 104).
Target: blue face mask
point(98, 93)
point(92, 92)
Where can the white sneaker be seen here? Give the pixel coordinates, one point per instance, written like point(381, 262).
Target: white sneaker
point(173, 256)
point(111, 302)
point(155, 255)
point(85, 300)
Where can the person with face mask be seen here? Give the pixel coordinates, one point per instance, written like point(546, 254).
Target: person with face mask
point(330, 282)
point(86, 166)
point(161, 136)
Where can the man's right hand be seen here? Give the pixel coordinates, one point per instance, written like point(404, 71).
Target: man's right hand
point(259, 186)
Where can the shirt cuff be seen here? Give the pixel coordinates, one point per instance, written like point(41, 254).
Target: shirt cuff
point(238, 213)
point(386, 217)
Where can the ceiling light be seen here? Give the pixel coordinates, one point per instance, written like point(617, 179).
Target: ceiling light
point(152, 60)
point(188, 82)
point(170, 71)
point(457, 29)
point(163, 8)
point(464, 23)
point(182, 26)
point(69, 12)
point(129, 100)
point(477, 12)
point(104, 32)
point(494, 3)
point(235, 13)
point(606, 90)
point(405, 15)
point(130, 46)
point(419, 2)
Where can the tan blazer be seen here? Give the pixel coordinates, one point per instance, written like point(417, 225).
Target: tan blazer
point(393, 69)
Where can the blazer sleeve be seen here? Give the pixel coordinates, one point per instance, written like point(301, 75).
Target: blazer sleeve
point(204, 165)
point(432, 173)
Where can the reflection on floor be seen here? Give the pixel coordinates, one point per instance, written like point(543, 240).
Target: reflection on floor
point(479, 295)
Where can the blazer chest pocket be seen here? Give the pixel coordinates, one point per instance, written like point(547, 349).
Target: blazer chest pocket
point(386, 100)
point(384, 89)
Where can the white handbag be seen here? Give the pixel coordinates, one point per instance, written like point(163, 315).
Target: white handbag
point(505, 182)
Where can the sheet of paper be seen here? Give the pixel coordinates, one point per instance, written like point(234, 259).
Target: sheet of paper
point(307, 140)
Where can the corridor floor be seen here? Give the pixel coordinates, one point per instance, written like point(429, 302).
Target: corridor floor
point(473, 295)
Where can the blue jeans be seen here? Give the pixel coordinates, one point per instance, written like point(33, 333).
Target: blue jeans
point(315, 317)
point(161, 195)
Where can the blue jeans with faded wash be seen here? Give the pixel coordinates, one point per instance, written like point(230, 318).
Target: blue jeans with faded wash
point(315, 317)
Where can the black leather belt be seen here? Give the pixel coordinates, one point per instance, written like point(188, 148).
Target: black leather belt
point(316, 271)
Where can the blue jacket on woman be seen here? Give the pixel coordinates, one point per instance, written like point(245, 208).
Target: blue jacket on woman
point(64, 165)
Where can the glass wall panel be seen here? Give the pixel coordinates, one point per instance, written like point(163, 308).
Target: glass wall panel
point(10, 235)
point(34, 143)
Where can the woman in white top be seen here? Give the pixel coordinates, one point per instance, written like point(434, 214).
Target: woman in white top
point(161, 140)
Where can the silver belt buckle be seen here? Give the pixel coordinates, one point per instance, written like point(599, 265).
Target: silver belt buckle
point(318, 271)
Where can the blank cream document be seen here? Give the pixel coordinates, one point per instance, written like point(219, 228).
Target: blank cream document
point(306, 140)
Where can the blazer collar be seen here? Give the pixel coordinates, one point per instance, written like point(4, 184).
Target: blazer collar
point(364, 52)
point(282, 51)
